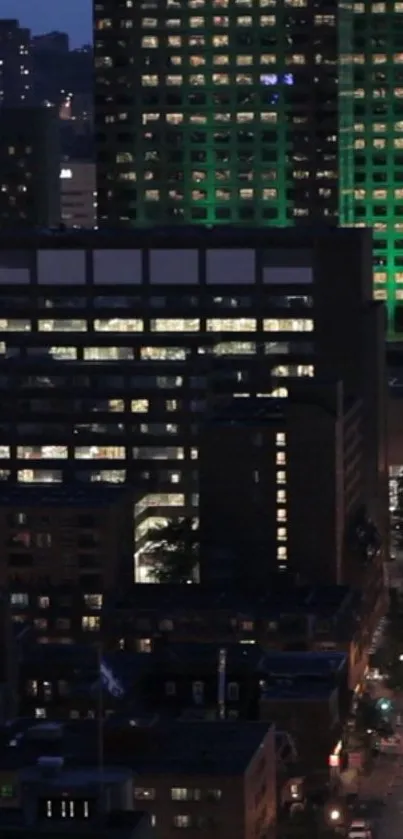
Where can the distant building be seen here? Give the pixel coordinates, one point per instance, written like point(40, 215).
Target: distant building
point(55, 536)
point(29, 168)
point(55, 41)
point(16, 77)
point(78, 193)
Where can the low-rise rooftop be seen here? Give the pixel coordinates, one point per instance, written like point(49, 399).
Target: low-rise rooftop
point(144, 746)
point(113, 825)
point(281, 598)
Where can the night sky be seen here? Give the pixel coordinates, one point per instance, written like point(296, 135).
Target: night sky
point(72, 16)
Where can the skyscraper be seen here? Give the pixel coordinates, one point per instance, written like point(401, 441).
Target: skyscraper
point(15, 64)
point(223, 112)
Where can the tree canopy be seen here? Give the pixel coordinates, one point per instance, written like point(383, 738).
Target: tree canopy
point(174, 552)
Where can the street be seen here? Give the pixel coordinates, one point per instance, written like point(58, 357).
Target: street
point(385, 783)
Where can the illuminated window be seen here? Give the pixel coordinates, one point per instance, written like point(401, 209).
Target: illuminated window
point(281, 478)
point(42, 452)
point(99, 452)
point(116, 405)
point(279, 393)
point(15, 325)
point(235, 348)
point(165, 499)
point(63, 353)
point(288, 325)
point(281, 514)
point(280, 458)
point(107, 476)
point(149, 81)
point(220, 40)
point(175, 325)
point(149, 41)
point(119, 325)
point(139, 406)
point(62, 325)
point(231, 325)
point(39, 476)
point(91, 623)
point(280, 438)
point(163, 353)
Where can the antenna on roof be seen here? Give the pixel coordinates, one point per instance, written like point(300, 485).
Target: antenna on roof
point(222, 668)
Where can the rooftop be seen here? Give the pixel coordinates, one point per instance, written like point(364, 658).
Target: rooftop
point(317, 663)
point(258, 411)
point(181, 237)
point(114, 825)
point(281, 599)
point(298, 692)
point(189, 656)
point(144, 746)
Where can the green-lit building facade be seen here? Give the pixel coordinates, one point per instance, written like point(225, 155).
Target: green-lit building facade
point(223, 112)
point(378, 145)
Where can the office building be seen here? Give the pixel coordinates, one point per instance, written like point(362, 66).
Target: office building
point(378, 145)
point(282, 486)
point(223, 112)
point(29, 168)
point(78, 194)
point(185, 316)
point(16, 82)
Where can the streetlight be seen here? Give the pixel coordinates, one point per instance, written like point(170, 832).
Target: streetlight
point(334, 816)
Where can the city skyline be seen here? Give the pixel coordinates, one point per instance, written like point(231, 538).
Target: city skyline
point(45, 16)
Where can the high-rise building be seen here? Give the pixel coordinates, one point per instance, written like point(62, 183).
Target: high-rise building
point(230, 111)
point(281, 488)
point(111, 346)
point(15, 64)
point(29, 168)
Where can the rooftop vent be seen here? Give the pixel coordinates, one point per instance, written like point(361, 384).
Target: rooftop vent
point(50, 766)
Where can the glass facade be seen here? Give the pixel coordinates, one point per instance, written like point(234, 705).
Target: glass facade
point(208, 112)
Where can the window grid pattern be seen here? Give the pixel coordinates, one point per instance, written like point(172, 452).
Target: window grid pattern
point(225, 124)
